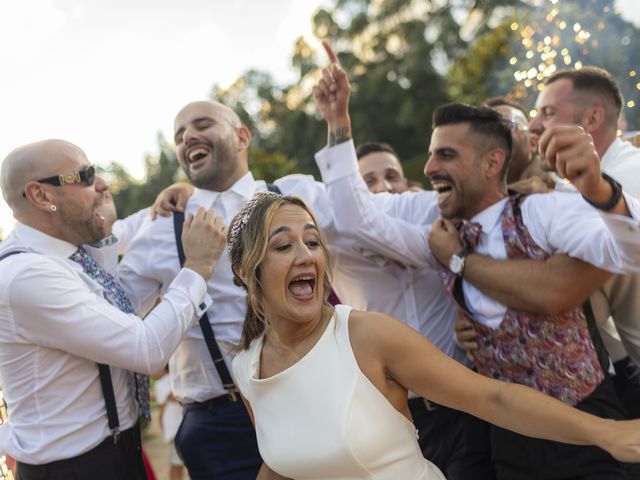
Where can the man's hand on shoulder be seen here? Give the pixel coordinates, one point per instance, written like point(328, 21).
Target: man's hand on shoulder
point(172, 199)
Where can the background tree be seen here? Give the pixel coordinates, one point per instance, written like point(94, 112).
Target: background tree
point(535, 39)
point(130, 194)
point(404, 58)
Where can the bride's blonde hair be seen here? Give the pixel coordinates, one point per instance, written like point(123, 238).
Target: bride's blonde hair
point(248, 238)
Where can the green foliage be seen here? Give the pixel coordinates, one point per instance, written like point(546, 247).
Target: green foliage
point(467, 79)
point(531, 44)
point(404, 58)
point(270, 166)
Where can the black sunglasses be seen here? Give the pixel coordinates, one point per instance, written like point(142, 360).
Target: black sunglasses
point(86, 176)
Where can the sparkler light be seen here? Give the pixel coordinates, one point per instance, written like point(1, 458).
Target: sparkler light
point(569, 34)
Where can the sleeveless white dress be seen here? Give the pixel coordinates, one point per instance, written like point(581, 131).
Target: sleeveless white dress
point(322, 418)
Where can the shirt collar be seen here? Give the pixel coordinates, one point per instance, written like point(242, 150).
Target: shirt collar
point(490, 216)
point(40, 242)
point(612, 152)
point(245, 187)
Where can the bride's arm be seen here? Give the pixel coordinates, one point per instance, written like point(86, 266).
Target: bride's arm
point(417, 365)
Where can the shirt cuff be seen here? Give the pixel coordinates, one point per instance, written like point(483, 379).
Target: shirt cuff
point(194, 286)
point(337, 162)
point(625, 228)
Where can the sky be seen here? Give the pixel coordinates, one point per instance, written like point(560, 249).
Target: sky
point(109, 75)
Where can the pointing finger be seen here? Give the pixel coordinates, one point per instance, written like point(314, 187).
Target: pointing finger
point(330, 53)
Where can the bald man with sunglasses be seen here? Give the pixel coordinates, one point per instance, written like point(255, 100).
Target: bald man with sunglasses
point(68, 339)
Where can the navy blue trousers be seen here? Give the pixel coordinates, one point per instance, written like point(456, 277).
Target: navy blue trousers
point(217, 441)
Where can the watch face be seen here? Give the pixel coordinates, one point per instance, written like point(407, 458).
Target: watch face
point(456, 264)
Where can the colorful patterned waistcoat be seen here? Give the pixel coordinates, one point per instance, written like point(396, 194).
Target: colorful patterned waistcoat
point(552, 354)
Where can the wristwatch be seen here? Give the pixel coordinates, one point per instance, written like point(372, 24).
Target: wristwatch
point(456, 262)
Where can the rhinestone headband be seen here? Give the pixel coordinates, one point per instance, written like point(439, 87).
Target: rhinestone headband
point(242, 218)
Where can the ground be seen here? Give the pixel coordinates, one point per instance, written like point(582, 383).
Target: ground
point(157, 451)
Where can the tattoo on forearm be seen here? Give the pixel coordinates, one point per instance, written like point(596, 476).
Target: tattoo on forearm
point(340, 135)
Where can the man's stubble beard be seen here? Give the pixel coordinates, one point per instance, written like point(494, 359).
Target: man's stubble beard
point(223, 165)
point(85, 229)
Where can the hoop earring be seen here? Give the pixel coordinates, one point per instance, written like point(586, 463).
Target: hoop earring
point(53, 208)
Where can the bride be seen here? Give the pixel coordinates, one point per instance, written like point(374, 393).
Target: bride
point(327, 388)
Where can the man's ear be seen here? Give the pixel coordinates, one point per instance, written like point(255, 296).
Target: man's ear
point(494, 161)
point(593, 118)
point(38, 195)
point(244, 137)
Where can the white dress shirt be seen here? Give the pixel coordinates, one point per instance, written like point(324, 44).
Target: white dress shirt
point(55, 325)
point(412, 295)
point(382, 284)
point(617, 302)
point(558, 222)
point(621, 162)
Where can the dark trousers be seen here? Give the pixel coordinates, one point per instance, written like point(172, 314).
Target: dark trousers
point(517, 457)
point(627, 384)
point(107, 461)
point(457, 443)
point(217, 441)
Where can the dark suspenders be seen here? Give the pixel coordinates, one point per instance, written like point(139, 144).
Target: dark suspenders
point(8, 254)
point(205, 324)
point(105, 382)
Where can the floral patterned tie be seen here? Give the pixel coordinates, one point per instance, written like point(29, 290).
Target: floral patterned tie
point(469, 233)
point(115, 295)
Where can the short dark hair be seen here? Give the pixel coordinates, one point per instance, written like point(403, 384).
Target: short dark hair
point(371, 147)
point(593, 80)
point(494, 102)
point(483, 121)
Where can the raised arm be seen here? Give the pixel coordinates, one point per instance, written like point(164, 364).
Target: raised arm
point(569, 150)
point(417, 365)
point(356, 212)
point(331, 95)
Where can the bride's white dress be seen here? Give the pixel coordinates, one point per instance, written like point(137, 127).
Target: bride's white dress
point(322, 418)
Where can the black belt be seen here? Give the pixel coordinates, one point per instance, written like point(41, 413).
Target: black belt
point(423, 403)
point(212, 403)
point(127, 439)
